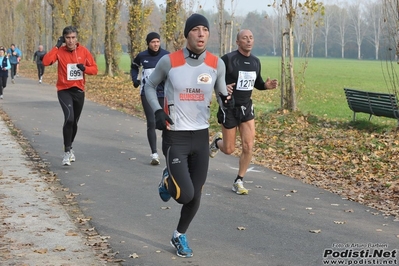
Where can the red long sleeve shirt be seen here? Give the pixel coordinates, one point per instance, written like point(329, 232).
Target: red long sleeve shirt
point(68, 74)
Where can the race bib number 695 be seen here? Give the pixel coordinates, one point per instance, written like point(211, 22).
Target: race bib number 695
point(73, 72)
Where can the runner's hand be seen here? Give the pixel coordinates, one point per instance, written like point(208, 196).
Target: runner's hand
point(227, 100)
point(136, 83)
point(60, 41)
point(81, 67)
point(161, 118)
point(271, 84)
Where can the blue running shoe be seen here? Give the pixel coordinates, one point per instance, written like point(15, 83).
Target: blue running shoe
point(163, 192)
point(181, 245)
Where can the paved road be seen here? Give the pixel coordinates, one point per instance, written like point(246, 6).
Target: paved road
point(118, 188)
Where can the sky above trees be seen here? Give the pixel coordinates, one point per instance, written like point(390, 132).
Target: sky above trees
point(243, 7)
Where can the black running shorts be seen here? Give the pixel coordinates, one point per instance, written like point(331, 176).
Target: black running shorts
point(231, 118)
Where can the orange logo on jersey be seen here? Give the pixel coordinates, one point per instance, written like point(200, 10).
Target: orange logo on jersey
point(204, 79)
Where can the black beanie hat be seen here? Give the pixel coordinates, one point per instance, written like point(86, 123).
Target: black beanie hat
point(151, 36)
point(193, 21)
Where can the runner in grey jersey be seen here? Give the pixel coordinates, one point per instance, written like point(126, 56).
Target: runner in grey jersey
point(191, 75)
point(187, 97)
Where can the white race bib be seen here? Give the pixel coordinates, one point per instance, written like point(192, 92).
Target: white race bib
point(147, 72)
point(73, 72)
point(246, 80)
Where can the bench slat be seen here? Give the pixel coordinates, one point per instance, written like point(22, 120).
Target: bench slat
point(373, 103)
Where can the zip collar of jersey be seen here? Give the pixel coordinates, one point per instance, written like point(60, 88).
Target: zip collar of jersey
point(193, 55)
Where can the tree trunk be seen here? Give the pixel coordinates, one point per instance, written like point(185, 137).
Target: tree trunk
point(57, 16)
point(221, 28)
point(326, 46)
point(283, 101)
point(93, 43)
point(292, 98)
point(170, 23)
point(107, 49)
point(76, 17)
point(108, 46)
point(342, 50)
point(137, 26)
point(112, 48)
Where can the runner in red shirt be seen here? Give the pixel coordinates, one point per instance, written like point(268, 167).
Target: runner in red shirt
point(74, 61)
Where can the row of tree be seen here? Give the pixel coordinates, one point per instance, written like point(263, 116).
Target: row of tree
point(360, 29)
point(356, 30)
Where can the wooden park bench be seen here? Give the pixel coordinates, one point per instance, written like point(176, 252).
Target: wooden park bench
point(373, 103)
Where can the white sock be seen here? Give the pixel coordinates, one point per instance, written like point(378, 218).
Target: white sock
point(176, 234)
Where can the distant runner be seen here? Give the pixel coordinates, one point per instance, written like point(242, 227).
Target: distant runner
point(147, 60)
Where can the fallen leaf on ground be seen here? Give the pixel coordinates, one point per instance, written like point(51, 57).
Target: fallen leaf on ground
point(59, 248)
point(41, 251)
point(71, 233)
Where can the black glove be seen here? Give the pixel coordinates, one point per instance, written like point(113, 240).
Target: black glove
point(227, 103)
point(60, 41)
point(136, 83)
point(81, 67)
point(161, 118)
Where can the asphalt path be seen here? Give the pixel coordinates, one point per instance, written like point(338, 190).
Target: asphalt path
point(281, 222)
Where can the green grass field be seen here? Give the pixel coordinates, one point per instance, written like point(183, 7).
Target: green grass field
point(321, 93)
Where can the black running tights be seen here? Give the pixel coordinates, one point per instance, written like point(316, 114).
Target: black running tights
point(187, 159)
point(13, 70)
point(40, 70)
point(71, 101)
point(149, 114)
point(3, 84)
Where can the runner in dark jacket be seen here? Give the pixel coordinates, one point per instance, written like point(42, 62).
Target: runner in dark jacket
point(5, 66)
point(147, 60)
